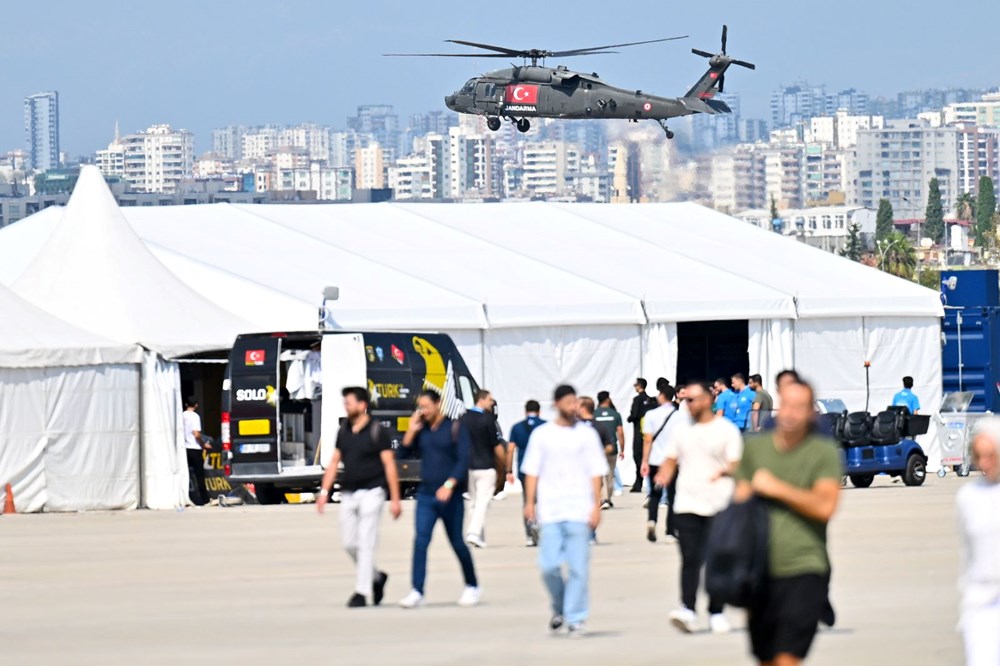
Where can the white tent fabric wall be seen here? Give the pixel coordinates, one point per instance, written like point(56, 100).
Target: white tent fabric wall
point(770, 349)
point(164, 460)
point(70, 437)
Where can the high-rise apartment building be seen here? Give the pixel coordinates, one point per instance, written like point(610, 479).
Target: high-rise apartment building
point(369, 167)
point(547, 165)
point(158, 159)
point(41, 129)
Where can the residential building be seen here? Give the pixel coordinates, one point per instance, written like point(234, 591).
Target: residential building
point(111, 161)
point(985, 113)
point(369, 168)
point(897, 163)
point(796, 104)
point(738, 179)
point(470, 159)
point(382, 123)
point(841, 129)
point(825, 227)
point(158, 159)
point(227, 142)
point(547, 165)
point(410, 178)
point(41, 129)
point(784, 174)
point(978, 156)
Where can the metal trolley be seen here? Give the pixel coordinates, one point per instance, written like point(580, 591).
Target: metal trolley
point(955, 426)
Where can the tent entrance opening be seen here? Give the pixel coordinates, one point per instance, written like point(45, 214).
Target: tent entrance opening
point(711, 349)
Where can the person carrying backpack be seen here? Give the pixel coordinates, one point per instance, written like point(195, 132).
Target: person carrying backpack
point(443, 445)
point(520, 434)
point(797, 473)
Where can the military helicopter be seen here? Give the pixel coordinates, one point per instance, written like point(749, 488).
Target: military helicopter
point(518, 93)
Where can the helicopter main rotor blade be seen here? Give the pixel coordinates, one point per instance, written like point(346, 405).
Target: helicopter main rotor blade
point(743, 63)
point(703, 54)
point(591, 49)
point(722, 84)
point(445, 55)
point(488, 47)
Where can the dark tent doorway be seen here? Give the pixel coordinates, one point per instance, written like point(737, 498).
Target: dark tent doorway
point(708, 350)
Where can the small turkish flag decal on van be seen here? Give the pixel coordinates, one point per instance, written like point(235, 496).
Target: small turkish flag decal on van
point(255, 357)
point(521, 94)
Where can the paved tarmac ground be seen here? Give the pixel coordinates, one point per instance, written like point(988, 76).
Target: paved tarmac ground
point(259, 585)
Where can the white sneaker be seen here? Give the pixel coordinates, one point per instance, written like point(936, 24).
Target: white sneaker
point(619, 493)
point(718, 624)
point(683, 619)
point(500, 496)
point(412, 600)
point(470, 596)
point(474, 540)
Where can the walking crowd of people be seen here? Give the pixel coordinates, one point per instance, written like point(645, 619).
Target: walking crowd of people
point(699, 448)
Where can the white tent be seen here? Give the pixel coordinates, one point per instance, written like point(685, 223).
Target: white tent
point(90, 269)
point(539, 293)
point(69, 428)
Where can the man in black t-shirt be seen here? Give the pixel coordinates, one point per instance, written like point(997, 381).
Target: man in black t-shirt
point(487, 453)
point(364, 447)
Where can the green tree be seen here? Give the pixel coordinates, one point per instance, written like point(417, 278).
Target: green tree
point(986, 205)
point(965, 207)
point(884, 225)
point(774, 215)
point(853, 247)
point(897, 255)
point(930, 278)
point(934, 219)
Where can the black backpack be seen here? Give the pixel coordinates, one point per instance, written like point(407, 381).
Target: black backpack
point(736, 561)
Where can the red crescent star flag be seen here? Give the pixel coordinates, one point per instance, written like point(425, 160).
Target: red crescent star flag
point(255, 357)
point(521, 94)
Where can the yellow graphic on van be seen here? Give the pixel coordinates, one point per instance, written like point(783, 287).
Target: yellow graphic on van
point(436, 372)
point(272, 398)
point(254, 427)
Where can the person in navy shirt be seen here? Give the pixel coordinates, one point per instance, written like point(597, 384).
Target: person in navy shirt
point(907, 398)
point(443, 445)
point(743, 402)
point(518, 442)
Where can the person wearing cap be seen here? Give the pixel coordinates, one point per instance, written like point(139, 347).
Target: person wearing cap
point(979, 527)
point(563, 470)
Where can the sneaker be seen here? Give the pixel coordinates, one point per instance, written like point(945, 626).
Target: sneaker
point(378, 587)
point(500, 496)
point(556, 623)
point(577, 630)
point(645, 503)
point(683, 619)
point(605, 505)
point(619, 492)
point(357, 601)
point(474, 540)
point(530, 542)
point(669, 538)
point(412, 600)
point(470, 596)
point(718, 624)
point(593, 540)
point(650, 531)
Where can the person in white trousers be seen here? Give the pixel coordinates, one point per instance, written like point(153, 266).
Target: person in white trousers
point(487, 453)
point(369, 475)
point(979, 524)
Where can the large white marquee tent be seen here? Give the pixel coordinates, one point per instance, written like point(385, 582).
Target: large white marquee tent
point(538, 293)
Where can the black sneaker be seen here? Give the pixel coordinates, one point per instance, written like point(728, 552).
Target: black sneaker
point(556, 623)
point(356, 601)
point(378, 588)
point(606, 504)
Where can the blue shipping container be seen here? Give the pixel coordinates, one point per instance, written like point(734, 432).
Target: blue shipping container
point(979, 352)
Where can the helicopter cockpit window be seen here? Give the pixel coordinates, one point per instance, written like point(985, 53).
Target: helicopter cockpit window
point(491, 90)
point(469, 86)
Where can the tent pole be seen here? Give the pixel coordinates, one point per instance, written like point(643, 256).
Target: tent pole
point(142, 456)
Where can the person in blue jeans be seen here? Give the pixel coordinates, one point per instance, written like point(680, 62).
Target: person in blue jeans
point(443, 446)
point(563, 470)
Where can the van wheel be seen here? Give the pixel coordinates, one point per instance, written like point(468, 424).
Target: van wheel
point(862, 480)
point(916, 471)
point(268, 494)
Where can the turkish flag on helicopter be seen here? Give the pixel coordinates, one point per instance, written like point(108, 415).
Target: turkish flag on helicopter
point(521, 94)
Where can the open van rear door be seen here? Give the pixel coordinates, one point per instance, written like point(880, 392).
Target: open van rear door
point(343, 357)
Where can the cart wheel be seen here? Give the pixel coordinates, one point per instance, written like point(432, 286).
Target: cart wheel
point(942, 472)
point(916, 470)
point(862, 480)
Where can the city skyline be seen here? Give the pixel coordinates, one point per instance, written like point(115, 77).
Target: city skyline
point(219, 74)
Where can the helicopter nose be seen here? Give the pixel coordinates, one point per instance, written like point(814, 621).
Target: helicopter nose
point(449, 101)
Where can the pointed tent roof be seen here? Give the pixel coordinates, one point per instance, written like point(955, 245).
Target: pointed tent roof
point(96, 273)
point(32, 338)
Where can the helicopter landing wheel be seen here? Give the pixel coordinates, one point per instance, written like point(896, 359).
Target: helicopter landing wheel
point(493, 124)
point(523, 125)
point(670, 135)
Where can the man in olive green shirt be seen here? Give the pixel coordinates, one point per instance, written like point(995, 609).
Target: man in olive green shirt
point(798, 472)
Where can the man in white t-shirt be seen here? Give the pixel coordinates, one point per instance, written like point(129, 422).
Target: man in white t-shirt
point(707, 455)
point(563, 470)
point(195, 446)
point(658, 428)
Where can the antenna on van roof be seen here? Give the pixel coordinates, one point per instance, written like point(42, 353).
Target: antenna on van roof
point(330, 293)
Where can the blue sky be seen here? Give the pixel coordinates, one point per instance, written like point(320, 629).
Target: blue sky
point(208, 63)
